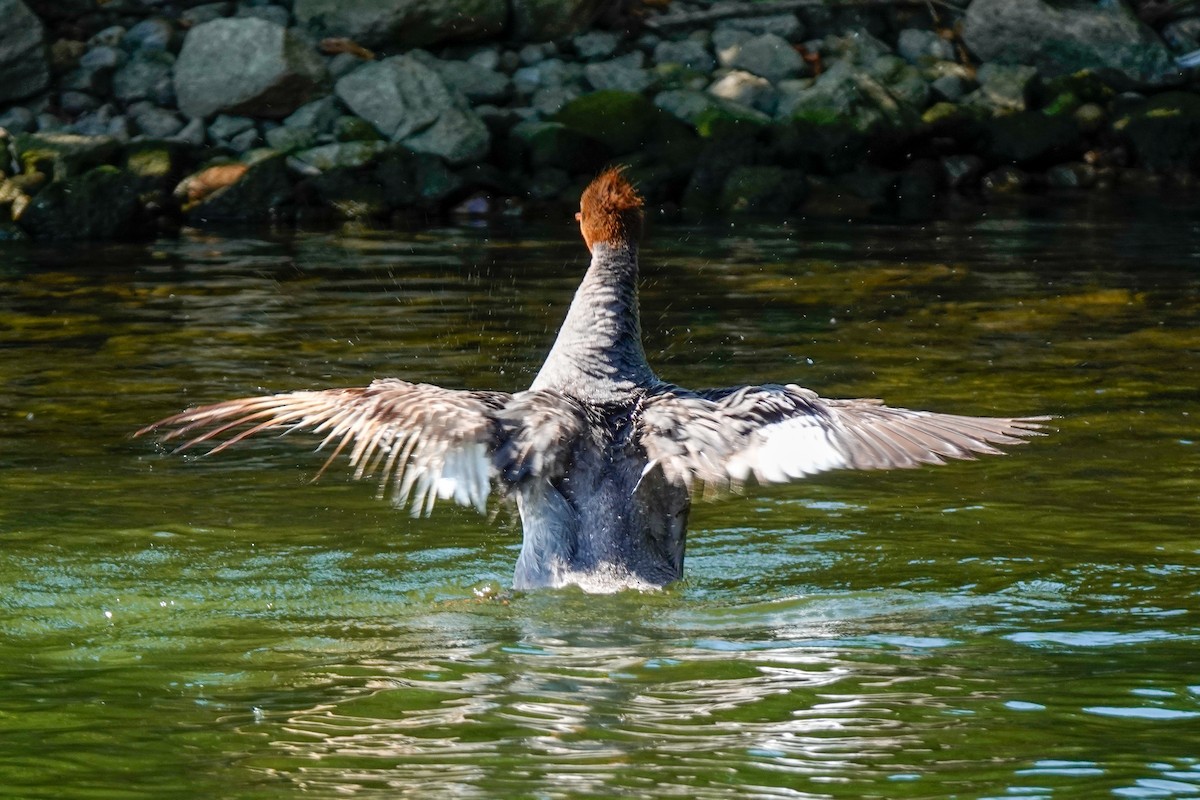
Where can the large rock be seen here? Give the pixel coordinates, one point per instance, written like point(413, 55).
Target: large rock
point(63, 155)
point(400, 96)
point(1057, 41)
point(403, 23)
point(407, 101)
point(102, 203)
point(24, 68)
point(768, 56)
point(246, 66)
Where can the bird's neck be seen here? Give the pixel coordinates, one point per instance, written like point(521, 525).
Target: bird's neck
point(599, 347)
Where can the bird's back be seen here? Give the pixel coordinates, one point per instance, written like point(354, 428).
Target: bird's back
point(608, 522)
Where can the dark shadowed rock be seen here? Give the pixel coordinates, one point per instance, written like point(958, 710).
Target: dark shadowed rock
point(1105, 37)
point(543, 20)
point(763, 190)
point(1031, 138)
point(1163, 131)
point(246, 66)
point(102, 203)
point(63, 155)
point(403, 23)
point(263, 192)
point(24, 67)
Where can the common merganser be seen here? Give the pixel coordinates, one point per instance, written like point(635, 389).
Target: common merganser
point(601, 456)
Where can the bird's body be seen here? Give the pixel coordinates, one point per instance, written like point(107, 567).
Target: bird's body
point(600, 455)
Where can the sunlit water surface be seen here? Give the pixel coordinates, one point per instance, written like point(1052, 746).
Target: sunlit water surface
point(1025, 626)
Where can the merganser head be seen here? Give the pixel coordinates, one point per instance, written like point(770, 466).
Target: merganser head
point(610, 210)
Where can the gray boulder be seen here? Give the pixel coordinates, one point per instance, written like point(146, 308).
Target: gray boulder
point(1103, 37)
point(403, 23)
point(863, 99)
point(24, 68)
point(408, 102)
point(246, 66)
point(476, 82)
point(768, 56)
point(458, 136)
point(399, 96)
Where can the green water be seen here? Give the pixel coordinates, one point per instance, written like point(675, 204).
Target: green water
point(1025, 626)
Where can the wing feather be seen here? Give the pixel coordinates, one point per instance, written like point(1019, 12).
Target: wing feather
point(426, 442)
point(773, 433)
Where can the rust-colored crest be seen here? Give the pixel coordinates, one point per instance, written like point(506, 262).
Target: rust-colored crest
point(610, 209)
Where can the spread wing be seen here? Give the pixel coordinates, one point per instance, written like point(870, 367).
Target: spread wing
point(428, 442)
point(777, 433)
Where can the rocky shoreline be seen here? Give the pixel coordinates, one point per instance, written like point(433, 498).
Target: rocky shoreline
point(128, 118)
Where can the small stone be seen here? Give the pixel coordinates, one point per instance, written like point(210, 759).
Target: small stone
point(550, 100)
point(146, 76)
point(154, 33)
point(749, 90)
point(277, 15)
point(690, 53)
point(1090, 117)
point(226, 126)
point(108, 37)
point(289, 138)
point(352, 129)
point(1075, 175)
point(103, 58)
point(1004, 181)
point(787, 26)
point(962, 171)
point(596, 45)
point(949, 87)
point(918, 46)
point(487, 58)
point(157, 123)
point(193, 132)
point(18, 119)
point(341, 154)
point(207, 12)
point(1003, 88)
point(246, 140)
point(726, 41)
point(319, 114)
point(624, 73)
point(532, 54)
point(75, 103)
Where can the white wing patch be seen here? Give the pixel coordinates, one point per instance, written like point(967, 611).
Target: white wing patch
point(722, 438)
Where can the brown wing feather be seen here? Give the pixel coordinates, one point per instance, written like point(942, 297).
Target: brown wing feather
point(426, 441)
